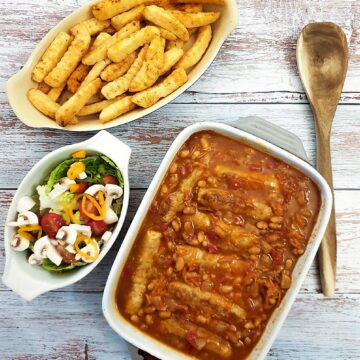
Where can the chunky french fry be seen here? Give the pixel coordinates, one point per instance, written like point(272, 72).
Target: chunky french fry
point(45, 88)
point(77, 77)
point(212, 2)
point(100, 52)
point(116, 109)
point(110, 30)
point(178, 44)
point(51, 56)
point(122, 19)
point(121, 85)
point(150, 69)
point(101, 38)
point(194, 20)
point(70, 60)
point(195, 53)
point(43, 103)
point(97, 107)
point(115, 70)
point(126, 46)
point(106, 9)
point(150, 96)
point(191, 8)
point(71, 107)
point(166, 34)
point(166, 20)
point(55, 93)
point(171, 57)
point(93, 26)
point(95, 71)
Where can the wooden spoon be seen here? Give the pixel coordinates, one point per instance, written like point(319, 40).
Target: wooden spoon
point(322, 58)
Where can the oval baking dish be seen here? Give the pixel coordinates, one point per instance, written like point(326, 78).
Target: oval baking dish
point(138, 338)
point(30, 281)
point(19, 84)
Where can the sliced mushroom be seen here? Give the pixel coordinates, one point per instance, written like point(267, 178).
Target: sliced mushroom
point(26, 203)
point(70, 249)
point(92, 190)
point(44, 249)
point(67, 234)
point(82, 229)
point(19, 243)
point(106, 236)
point(60, 187)
point(112, 192)
point(110, 216)
point(34, 260)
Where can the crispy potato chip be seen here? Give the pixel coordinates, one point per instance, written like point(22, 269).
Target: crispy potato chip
point(93, 26)
point(55, 93)
point(115, 70)
point(121, 20)
point(95, 71)
point(98, 106)
point(195, 53)
point(106, 9)
point(45, 88)
point(178, 44)
point(70, 60)
point(166, 20)
point(116, 109)
point(43, 103)
point(70, 108)
point(150, 96)
point(101, 38)
point(51, 56)
point(150, 69)
point(191, 8)
point(194, 20)
point(100, 52)
point(121, 85)
point(171, 57)
point(126, 46)
point(77, 77)
point(212, 2)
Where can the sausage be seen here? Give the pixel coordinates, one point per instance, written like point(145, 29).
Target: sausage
point(199, 299)
point(204, 259)
point(197, 336)
point(151, 244)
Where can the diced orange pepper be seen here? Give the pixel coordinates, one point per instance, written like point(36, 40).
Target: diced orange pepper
point(75, 170)
point(74, 187)
point(79, 154)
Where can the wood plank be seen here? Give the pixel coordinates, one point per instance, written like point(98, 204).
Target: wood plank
point(71, 326)
point(348, 228)
point(151, 136)
point(257, 59)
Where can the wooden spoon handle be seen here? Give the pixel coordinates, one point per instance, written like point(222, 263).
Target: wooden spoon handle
point(327, 252)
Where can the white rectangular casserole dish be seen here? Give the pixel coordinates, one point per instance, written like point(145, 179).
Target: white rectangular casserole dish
point(162, 351)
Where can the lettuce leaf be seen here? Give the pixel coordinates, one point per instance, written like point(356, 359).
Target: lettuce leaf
point(59, 172)
point(50, 266)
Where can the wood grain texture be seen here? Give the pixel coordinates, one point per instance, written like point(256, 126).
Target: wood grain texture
point(254, 74)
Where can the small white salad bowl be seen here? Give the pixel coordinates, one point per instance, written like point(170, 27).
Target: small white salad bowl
point(30, 281)
point(19, 84)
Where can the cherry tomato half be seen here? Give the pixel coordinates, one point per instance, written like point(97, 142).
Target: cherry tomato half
point(109, 179)
point(97, 227)
point(89, 208)
point(51, 223)
point(81, 187)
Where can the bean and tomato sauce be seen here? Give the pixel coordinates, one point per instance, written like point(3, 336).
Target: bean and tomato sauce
point(215, 253)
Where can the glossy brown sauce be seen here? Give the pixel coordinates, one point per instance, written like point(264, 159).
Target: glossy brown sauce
point(216, 250)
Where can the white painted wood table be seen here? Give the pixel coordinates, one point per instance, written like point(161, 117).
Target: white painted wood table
point(254, 74)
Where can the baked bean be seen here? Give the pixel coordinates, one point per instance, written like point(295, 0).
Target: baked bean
point(204, 143)
point(274, 226)
point(202, 183)
point(180, 263)
point(202, 319)
point(189, 227)
point(149, 319)
point(195, 154)
point(255, 250)
point(189, 210)
point(149, 309)
point(134, 318)
point(249, 325)
point(184, 153)
point(176, 225)
point(169, 271)
point(262, 225)
point(226, 289)
point(173, 168)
